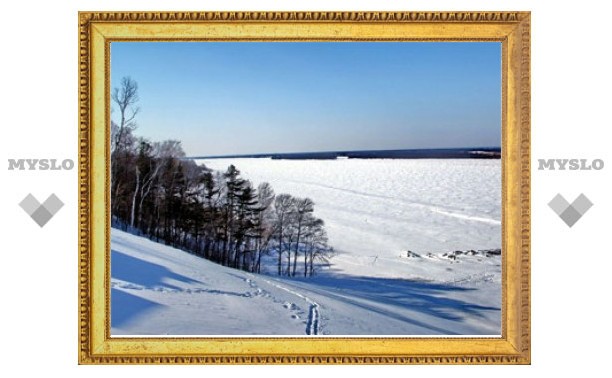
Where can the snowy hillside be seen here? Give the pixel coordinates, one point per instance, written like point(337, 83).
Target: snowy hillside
point(158, 290)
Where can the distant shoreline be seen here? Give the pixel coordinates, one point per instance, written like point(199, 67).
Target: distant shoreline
point(430, 153)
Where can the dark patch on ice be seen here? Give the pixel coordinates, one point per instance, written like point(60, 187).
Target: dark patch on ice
point(482, 252)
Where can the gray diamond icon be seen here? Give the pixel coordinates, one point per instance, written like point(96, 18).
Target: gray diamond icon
point(558, 204)
point(53, 204)
point(570, 213)
point(29, 204)
point(41, 216)
point(41, 213)
point(582, 204)
point(570, 216)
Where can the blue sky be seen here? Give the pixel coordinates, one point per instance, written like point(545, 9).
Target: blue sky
point(253, 97)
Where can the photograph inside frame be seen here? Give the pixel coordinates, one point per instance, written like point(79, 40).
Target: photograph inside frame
point(306, 189)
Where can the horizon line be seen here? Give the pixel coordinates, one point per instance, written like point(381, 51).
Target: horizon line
point(271, 154)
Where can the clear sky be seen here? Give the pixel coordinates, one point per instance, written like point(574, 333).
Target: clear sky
point(252, 97)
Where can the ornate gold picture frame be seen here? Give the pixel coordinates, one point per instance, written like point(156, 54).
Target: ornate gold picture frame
point(98, 29)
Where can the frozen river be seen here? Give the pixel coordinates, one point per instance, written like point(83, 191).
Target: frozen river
point(379, 208)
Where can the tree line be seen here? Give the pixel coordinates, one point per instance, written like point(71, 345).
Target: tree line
point(219, 216)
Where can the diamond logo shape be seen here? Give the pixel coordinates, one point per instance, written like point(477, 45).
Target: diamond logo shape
point(41, 213)
point(570, 213)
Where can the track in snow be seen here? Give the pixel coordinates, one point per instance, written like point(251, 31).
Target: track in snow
point(312, 327)
point(313, 322)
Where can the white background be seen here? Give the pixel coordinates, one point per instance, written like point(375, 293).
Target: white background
point(571, 101)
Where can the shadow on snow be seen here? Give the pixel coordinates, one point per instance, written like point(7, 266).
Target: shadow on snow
point(144, 273)
point(126, 307)
point(391, 297)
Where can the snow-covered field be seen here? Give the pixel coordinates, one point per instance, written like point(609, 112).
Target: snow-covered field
point(375, 210)
point(158, 290)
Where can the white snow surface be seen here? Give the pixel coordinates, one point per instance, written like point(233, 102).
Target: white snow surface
point(159, 290)
point(375, 212)
point(377, 209)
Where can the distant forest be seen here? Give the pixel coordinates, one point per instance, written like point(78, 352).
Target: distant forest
point(219, 216)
